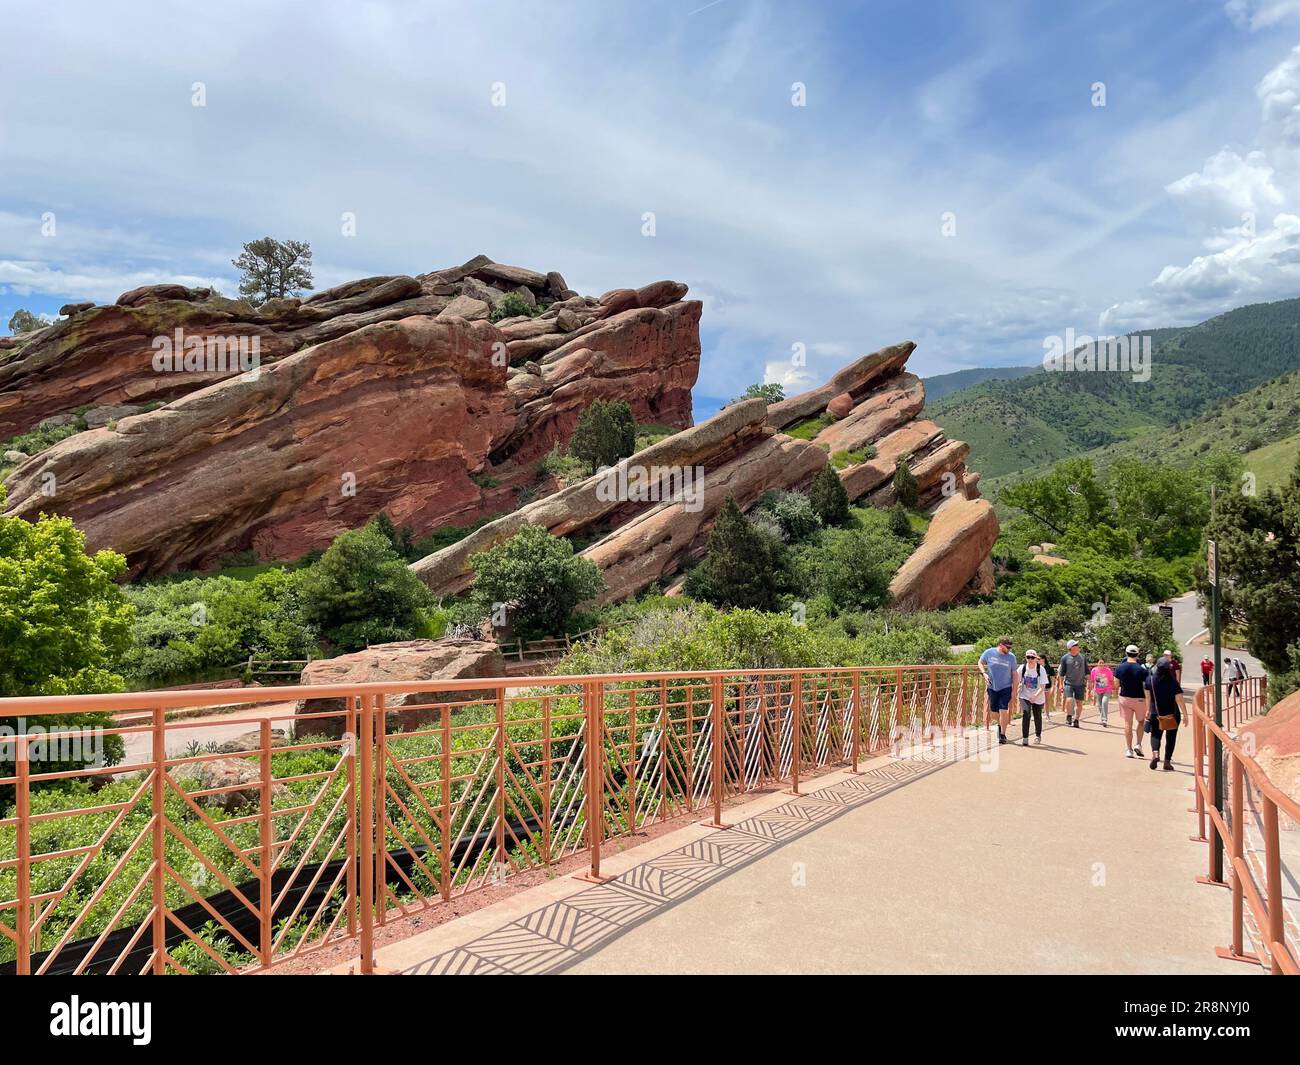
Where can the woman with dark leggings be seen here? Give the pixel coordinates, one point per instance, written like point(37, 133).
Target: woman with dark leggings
point(1165, 697)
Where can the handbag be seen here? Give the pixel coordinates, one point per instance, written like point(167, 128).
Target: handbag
point(1167, 722)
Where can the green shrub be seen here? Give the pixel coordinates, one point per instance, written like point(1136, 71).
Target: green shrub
point(829, 499)
point(362, 592)
point(793, 512)
point(539, 576)
point(604, 434)
point(905, 486)
point(512, 305)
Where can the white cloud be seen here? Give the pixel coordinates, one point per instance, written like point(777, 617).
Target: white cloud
point(1260, 14)
point(1250, 205)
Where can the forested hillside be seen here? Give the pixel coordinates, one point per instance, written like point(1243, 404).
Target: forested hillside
point(1035, 421)
point(945, 384)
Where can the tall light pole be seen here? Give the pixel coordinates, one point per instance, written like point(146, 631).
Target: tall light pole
point(1216, 748)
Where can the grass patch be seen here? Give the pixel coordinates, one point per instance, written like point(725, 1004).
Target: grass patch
point(809, 427)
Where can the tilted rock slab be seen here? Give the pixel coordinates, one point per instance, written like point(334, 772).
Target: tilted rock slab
point(910, 439)
point(655, 543)
point(580, 505)
point(396, 415)
point(895, 403)
point(956, 545)
point(855, 379)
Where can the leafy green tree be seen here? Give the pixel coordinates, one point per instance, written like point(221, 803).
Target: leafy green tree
point(856, 566)
point(906, 490)
point(401, 537)
point(828, 496)
point(772, 393)
point(23, 321)
point(605, 433)
point(539, 576)
point(1131, 621)
point(793, 513)
point(740, 567)
point(1070, 494)
point(63, 622)
point(273, 269)
point(362, 592)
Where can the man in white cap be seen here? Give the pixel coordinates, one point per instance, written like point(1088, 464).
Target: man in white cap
point(1130, 679)
point(1073, 673)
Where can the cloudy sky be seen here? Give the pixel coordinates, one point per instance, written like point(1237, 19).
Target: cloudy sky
point(943, 174)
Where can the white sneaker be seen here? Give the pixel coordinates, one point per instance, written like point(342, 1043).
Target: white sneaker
point(1129, 753)
point(1038, 741)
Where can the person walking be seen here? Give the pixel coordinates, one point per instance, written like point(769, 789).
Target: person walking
point(1131, 680)
point(1033, 696)
point(998, 665)
point(1150, 664)
point(1207, 669)
point(1073, 673)
point(1166, 711)
point(1101, 682)
point(1234, 678)
point(1175, 664)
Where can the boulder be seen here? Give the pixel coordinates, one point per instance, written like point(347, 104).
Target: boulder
point(409, 661)
point(618, 300)
point(242, 776)
point(513, 275)
point(146, 294)
point(112, 413)
point(894, 403)
point(660, 293)
point(466, 307)
point(14, 457)
point(955, 546)
point(840, 406)
point(69, 309)
point(556, 286)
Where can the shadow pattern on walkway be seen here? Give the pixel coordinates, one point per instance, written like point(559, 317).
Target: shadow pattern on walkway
point(562, 933)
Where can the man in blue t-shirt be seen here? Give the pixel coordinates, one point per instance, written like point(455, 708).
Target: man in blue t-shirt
point(998, 665)
point(1131, 678)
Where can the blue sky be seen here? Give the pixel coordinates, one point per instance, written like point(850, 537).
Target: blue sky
point(816, 225)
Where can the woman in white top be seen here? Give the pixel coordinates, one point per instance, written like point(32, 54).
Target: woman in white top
point(1033, 694)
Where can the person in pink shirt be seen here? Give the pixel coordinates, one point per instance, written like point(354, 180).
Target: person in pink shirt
point(1101, 682)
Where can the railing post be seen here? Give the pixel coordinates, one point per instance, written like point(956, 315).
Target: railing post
point(857, 718)
point(1215, 842)
point(381, 810)
point(546, 780)
point(965, 696)
point(350, 840)
point(593, 710)
point(366, 834)
point(716, 726)
point(1273, 878)
point(265, 825)
point(1238, 843)
point(444, 842)
point(159, 841)
point(23, 963)
point(1198, 769)
point(796, 743)
point(501, 746)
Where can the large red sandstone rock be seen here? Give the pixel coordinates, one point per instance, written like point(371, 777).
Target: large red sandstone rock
point(419, 417)
point(582, 505)
point(656, 542)
point(955, 546)
point(1275, 740)
point(410, 660)
point(894, 403)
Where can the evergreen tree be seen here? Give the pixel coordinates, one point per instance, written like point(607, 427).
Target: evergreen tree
point(905, 487)
point(605, 433)
point(899, 523)
point(740, 568)
point(828, 496)
point(273, 269)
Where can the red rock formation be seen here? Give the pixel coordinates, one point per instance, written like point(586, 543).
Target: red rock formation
point(421, 416)
point(955, 546)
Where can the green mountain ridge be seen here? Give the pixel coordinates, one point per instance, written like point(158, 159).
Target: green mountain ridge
point(1026, 424)
point(945, 384)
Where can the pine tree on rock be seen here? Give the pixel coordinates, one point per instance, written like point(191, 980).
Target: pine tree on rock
point(605, 433)
point(906, 490)
point(828, 496)
point(739, 569)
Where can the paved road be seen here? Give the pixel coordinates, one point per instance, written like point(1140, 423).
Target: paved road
point(1189, 631)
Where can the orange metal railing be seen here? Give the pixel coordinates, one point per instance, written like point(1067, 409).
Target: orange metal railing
point(1249, 827)
point(374, 800)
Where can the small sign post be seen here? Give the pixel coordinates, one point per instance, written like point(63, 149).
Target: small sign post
point(1212, 574)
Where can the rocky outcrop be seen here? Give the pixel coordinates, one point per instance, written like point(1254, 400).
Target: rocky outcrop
point(369, 396)
point(411, 660)
point(636, 483)
point(1275, 740)
point(856, 379)
point(657, 542)
point(955, 546)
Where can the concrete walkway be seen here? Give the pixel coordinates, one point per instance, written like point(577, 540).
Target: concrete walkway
point(1064, 858)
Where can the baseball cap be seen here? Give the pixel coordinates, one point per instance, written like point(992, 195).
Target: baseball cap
point(1131, 649)
point(1031, 654)
point(1073, 643)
